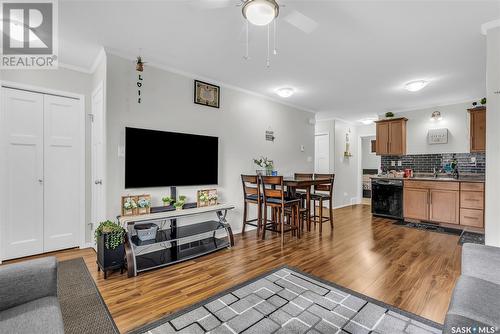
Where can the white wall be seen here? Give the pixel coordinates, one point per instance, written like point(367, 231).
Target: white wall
point(369, 160)
point(492, 214)
point(328, 126)
point(68, 81)
point(240, 124)
point(347, 169)
point(455, 119)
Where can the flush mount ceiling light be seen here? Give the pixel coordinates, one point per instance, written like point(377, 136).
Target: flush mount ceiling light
point(415, 86)
point(368, 121)
point(260, 12)
point(285, 92)
point(436, 116)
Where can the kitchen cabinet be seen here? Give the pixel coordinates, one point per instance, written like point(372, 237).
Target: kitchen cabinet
point(472, 204)
point(433, 201)
point(444, 206)
point(477, 129)
point(416, 203)
point(391, 136)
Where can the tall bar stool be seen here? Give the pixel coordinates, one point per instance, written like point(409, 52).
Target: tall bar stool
point(273, 194)
point(323, 192)
point(301, 193)
point(251, 195)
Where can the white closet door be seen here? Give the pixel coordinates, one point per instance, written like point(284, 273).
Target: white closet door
point(62, 171)
point(21, 129)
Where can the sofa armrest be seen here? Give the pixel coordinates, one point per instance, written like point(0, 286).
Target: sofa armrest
point(26, 281)
point(481, 262)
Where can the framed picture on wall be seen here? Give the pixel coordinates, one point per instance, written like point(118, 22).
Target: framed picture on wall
point(206, 94)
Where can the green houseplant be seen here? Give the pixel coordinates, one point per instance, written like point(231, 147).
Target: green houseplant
point(266, 163)
point(483, 101)
point(389, 114)
point(180, 203)
point(110, 239)
point(167, 200)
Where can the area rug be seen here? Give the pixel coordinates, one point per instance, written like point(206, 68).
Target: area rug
point(290, 301)
point(465, 236)
point(82, 307)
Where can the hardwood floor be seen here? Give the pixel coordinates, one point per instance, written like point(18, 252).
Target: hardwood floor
point(410, 269)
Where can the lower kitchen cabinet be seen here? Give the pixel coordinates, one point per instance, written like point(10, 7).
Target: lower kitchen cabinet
point(416, 203)
point(444, 206)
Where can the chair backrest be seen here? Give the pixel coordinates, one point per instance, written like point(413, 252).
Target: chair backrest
point(328, 185)
point(272, 187)
point(303, 176)
point(250, 185)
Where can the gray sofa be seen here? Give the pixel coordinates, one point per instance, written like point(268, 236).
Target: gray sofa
point(476, 298)
point(28, 298)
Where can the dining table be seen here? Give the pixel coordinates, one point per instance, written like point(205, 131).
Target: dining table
point(293, 184)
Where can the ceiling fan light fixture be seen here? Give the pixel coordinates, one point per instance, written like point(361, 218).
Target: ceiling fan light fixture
point(260, 12)
point(285, 92)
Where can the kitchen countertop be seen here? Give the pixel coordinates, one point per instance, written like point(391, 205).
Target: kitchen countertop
point(462, 178)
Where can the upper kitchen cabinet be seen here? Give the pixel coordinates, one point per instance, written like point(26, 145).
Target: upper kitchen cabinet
point(391, 136)
point(477, 129)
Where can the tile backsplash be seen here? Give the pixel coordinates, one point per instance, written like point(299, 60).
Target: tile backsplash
point(425, 163)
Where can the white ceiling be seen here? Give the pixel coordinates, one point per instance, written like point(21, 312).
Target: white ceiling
point(352, 66)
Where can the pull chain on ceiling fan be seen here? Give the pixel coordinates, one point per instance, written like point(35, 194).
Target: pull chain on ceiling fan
point(261, 13)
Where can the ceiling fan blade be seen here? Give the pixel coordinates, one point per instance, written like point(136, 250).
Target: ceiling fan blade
point(301, 21)
point(213, 4)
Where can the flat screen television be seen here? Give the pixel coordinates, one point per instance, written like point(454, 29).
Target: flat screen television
point(166, 159)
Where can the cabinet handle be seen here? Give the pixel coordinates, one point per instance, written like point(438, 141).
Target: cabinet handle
point(469, 217)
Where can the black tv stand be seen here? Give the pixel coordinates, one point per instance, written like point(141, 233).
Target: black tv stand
point(174, 243)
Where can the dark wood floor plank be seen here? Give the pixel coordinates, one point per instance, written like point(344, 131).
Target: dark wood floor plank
point(410, 269)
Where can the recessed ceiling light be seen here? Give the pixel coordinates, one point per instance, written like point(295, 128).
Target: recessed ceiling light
point(285, 91)
point(415, 86)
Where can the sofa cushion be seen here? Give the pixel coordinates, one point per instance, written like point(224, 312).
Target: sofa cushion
point(38, 316)
point(481, 261)
point(476, 299)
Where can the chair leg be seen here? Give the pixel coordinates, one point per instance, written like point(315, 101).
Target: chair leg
point(331, 212)
point(265, 223)
point(259, 218)
point(320, 216)
point(245, 211)
point(282, 218)
point(297, 220)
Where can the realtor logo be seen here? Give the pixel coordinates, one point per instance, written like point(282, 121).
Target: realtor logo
point(29, 34)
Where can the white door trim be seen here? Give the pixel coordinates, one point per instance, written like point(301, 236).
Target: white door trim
point(81, 98)
point(99, 88)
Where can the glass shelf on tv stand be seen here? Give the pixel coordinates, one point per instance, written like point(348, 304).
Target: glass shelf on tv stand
point(173, 243)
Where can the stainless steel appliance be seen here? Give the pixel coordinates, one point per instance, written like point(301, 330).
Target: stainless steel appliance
point(387, 198)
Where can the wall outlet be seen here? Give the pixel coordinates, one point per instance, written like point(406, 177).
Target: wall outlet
point(400, 163)
point(473, 160)
point(309, 159)
point(393, 163)
point(302, 148)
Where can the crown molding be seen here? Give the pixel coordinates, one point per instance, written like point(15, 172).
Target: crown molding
point(489, 25)
point(75, 68)
point(100, 56)
point(164, 67)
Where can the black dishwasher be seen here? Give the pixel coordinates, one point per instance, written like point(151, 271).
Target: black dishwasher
point(387, 198)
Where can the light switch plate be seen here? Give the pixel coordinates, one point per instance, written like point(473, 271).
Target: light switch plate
point(400, 163)
point(393, 163)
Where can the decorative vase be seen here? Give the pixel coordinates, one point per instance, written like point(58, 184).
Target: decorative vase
point(178, 208)
point(260, 172)
point(166, 203)
point(269, 171)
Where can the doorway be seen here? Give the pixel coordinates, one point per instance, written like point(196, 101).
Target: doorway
point(370, 164)
point(322, 153)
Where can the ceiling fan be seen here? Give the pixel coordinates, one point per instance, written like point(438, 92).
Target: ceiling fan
point(263, 13)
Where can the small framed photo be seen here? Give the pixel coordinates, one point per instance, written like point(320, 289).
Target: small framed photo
point(206, 94)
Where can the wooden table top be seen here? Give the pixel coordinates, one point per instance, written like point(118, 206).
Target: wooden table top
point(292, 182)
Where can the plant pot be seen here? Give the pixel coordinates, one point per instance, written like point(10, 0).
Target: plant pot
point(109, 259)
point(166, 203)
point(178, 208)
point(269, 171)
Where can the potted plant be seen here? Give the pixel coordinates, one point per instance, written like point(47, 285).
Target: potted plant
point(203, 198)
point(110, 239)
point(178, 205)
point(389, 114)
point(129, 205)
point(483, 101)
point(265, 163)
point(212, 198)
point(167, 200)
point(143, 204)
